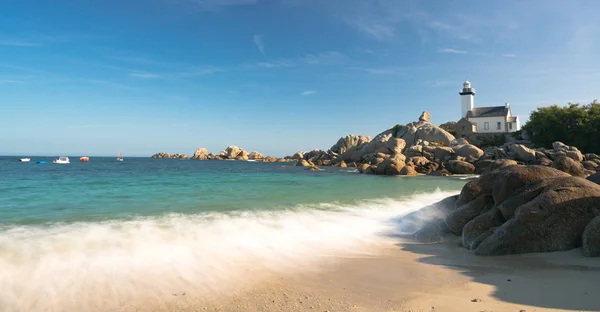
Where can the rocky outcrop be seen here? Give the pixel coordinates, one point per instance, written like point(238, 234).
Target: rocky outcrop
point(421, 130)
point(425, 116)
point(512, 209)
point(568, 165)
point(349, 142)
point(409, 171)
point(304, 163)
point(161, 155)
point(200, 154)
point(591, 238)
point(521, 152)
point(468, 150)
point(460, 167)
point(172, 156)
point(256, 156)
point(231, 152)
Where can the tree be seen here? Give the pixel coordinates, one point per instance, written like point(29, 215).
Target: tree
point(573, 124)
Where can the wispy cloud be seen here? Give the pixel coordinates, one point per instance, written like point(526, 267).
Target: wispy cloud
point(259, 43)
point(20, 43)
point(6, 81)
point(144, 75)
point(196, 72)
point(380, 71)
point(214, 5)
point(93, 126)
point(324, 58)
point(275, 64)
point(377, 31)
point(16, 67)
point(109, 83)
point(132, 59)
point(310, 92)
point(509, 55)
point(454, 51)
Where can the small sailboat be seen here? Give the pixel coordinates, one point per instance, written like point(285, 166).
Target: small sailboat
point(26, 159)
point(120, 158)
point(84, 159)
point(62, 160)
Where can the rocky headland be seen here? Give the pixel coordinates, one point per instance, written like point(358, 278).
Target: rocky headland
point(417, 148)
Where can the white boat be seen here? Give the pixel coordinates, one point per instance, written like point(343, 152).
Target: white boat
point(120, 158)
point(27, 159)
point(62, 160)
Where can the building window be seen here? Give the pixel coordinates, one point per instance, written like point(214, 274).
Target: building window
point(499, 125)
point(486, 126)
point(510, 125)
point(463, 128)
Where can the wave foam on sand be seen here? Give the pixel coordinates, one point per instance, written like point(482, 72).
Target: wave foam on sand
point(86, 266)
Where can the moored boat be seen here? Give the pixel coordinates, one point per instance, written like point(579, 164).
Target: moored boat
point(26, 159)
point(62, 160)
point(84, 159)
point(120, 158)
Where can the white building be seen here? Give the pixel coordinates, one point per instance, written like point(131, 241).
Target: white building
point(492, 119)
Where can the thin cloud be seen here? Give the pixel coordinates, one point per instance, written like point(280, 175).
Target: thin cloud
point(310, 92)
point(374, 29)
point(16, 67)
point(454, 51)
point(6, 81)
point(275, 64)
point(20, 43)
point(215, 5)
point(110, 84)
point(324, 58)
point(509, 55)
point(144, 75)
point(259, 43)
point(380, 71)
point(94, 126)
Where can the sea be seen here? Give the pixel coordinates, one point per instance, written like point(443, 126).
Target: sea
point(102, 233)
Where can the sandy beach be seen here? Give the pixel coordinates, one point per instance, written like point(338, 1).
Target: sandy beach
point(417, 277)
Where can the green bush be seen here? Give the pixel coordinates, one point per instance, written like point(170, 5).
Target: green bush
point(574, 124)
point(395, 130)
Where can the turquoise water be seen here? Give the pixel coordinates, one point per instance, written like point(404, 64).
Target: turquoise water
point(105, 189)
point(107, 233)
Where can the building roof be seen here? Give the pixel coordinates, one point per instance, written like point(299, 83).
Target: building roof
point(492, 111)
point(512, 119)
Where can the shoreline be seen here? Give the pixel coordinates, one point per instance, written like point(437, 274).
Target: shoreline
point(414, 277)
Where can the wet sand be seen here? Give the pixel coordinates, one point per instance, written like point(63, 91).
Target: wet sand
point(414, 277)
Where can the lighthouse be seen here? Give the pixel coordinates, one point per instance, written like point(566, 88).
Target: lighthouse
point(467, 96)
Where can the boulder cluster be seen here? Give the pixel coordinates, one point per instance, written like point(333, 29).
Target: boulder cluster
point(412, 149)
point(230, 153)
point(423, 148)
point(417, 148)
point(173, 156)
point(513, 209)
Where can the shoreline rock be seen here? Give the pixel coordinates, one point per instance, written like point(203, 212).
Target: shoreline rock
point(514, 209)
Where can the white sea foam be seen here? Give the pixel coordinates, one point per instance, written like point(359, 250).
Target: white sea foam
point(90, 266)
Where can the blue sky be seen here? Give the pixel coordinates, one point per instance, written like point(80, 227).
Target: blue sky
point(92, 77)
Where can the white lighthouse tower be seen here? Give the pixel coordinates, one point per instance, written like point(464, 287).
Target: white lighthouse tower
point(467, 96)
